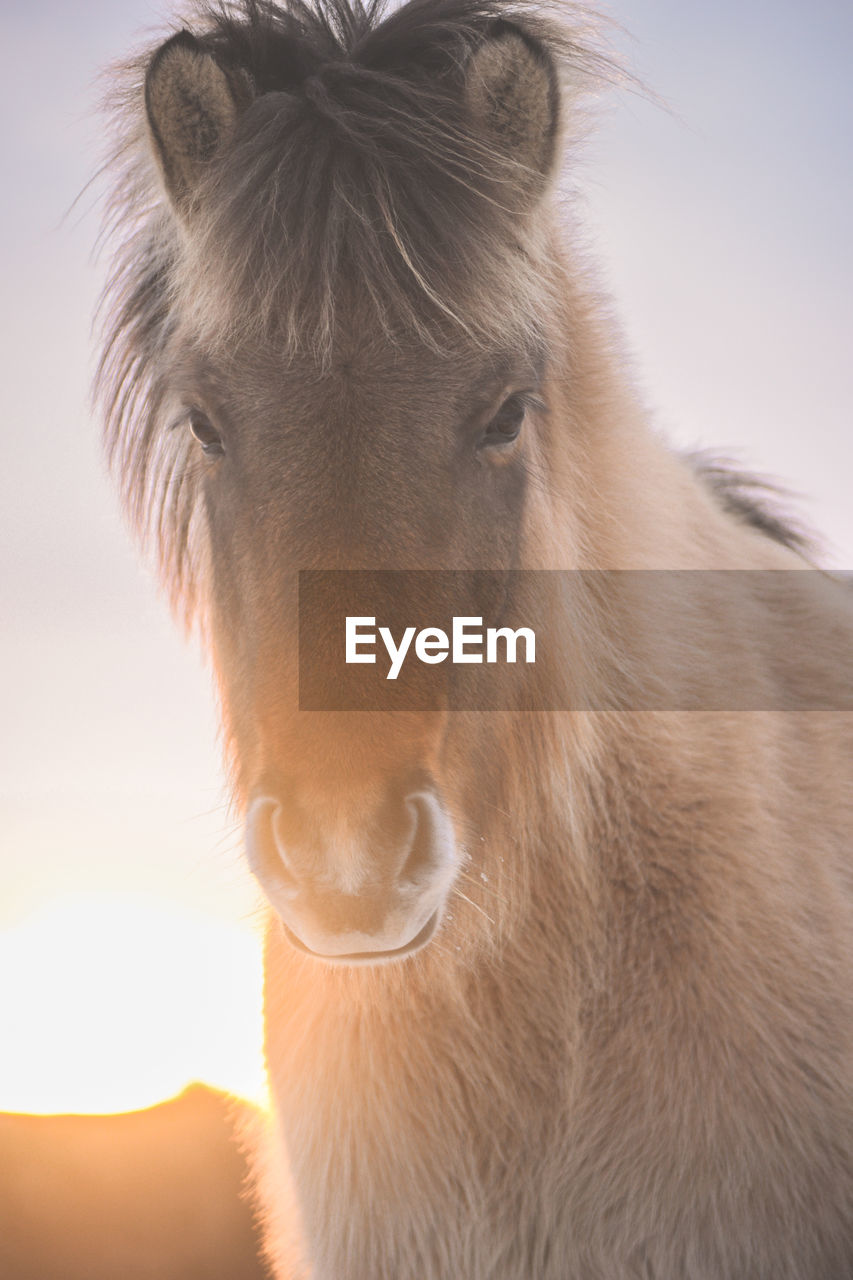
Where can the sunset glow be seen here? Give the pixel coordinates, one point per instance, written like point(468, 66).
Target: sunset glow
point(115, 1002)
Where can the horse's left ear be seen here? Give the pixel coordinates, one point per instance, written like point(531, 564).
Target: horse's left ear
point(192, 105)
point(512, 93)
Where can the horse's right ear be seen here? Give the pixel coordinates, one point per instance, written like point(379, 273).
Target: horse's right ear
point(192, 105)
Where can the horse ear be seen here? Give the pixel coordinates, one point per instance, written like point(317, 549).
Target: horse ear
point(512, 94)
point(192, 106)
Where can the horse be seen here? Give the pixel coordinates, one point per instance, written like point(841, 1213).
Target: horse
point(551, 993)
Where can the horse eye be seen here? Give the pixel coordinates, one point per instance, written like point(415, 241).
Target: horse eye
point(206, 434)
point(506, 424)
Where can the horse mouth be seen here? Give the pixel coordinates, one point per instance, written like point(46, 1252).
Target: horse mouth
point(369, 957)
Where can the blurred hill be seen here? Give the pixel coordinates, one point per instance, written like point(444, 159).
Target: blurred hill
point(149, 1194)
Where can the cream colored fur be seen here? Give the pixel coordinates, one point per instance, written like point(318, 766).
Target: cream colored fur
point(628, 1053)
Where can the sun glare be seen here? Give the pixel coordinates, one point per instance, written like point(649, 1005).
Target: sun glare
point(114, 1002)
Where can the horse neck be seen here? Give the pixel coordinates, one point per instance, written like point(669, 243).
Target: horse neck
point(620, 499)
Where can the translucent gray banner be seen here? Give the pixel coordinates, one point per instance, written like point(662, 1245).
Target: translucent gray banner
point(575, 640)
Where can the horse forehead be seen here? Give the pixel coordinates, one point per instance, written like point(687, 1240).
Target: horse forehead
point(364, 359)
point(366, 381)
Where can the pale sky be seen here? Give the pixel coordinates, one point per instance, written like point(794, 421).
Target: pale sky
point(723, 230)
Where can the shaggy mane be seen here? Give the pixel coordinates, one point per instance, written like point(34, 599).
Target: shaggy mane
point(353, 175)
point(753, 500)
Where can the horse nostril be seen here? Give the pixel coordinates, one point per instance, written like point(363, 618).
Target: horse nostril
point(266, 857)
point(430, 841)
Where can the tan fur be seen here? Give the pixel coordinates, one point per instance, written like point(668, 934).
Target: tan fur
point(628, 1052)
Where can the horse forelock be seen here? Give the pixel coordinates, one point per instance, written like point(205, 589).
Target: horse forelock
point(356, 173)
point(402, 235)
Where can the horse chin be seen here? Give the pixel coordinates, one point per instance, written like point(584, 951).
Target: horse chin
point(363, 958)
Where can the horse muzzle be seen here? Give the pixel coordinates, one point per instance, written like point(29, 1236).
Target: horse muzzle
point(361, 898)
